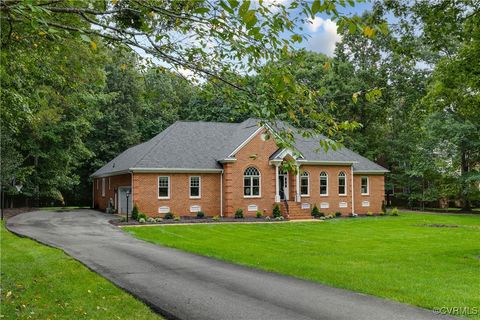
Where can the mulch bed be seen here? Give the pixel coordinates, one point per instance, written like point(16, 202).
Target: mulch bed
point(117, 221)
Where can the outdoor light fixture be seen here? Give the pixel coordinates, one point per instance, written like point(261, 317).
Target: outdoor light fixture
point(127, 194)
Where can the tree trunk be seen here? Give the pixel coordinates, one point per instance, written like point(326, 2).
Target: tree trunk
point(464, 171)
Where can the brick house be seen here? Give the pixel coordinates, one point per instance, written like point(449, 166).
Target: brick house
point(220, 167)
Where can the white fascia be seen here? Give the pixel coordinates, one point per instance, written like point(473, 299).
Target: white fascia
point(176, 170)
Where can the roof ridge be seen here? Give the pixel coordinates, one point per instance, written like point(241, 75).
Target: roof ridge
point(166, 131)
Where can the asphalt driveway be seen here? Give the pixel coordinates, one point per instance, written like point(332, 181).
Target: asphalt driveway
point(186, 286)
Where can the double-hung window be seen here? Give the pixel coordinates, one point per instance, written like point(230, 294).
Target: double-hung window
point(364, 187)
point(195, 183)
point(304, 184)
point(251, 182)
point(164, 187)
point(323, 183)
point(342, 183)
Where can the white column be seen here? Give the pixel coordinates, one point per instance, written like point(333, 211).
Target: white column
point(353, 190)
point(297, 195)
point(277, 187)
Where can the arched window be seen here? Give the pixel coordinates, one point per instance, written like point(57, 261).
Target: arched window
point(251, 182)
point(342, 183)
point(323, 183)
point(304, 184)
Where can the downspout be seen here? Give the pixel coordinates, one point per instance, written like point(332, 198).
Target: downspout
point(353, 191)
point(131, 188)
point(93, 193)
point(221, 194)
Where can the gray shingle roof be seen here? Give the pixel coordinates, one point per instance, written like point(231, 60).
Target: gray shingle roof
point(200, 145)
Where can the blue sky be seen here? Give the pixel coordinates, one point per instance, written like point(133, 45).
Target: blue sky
point(322, 31)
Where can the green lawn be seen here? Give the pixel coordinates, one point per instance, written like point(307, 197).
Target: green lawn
point(399, 258)
point(39, 282)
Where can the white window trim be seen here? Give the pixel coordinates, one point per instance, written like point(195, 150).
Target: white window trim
point(320, 185)
point(103, 187)
point(368, 186)
point(259, 184)
point(346, 184)
point(199, 187)
point(158, 187)
point(308, 185)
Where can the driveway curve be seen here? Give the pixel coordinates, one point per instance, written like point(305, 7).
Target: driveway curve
point(181, 285)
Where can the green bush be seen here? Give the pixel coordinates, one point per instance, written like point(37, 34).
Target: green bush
point(369, 213)
point(279, 218)
point(338, 214)
point(216, 218)
point(276, 211)
point(158, 220)
point(151, 220)
point(168, 215)
point(259, 214)
point(141, 220)
point(200, 214)
point(267, 218)
point(135, 212)
point(142, 215)
point(316, 212)
point(384, 208)
point(381, 213)
point(176, 218)
point(239, 213)
point(394, 212)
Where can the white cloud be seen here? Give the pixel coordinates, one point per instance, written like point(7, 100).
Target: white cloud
point(324, 35)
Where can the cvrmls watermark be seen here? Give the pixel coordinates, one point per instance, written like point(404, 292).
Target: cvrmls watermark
point(457, 311)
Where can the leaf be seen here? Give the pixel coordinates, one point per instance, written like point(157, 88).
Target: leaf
point(226, 7)
point(296, 38)
point(244, 8)
point(123, 66)
point(355, 97)
point(368, 31)
point(326, 66)
point(316, 5)
point(202, 10)
point(93, 45)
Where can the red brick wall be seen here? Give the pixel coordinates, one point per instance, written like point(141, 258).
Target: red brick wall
point(376, 193)
point(111, 184)
point(333, 199)
point(256, 153)
point(145, 194)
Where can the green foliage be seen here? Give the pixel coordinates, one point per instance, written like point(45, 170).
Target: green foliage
point(276, 211)
point(369, 213)
point(135, 212)
point(176, 218)
point(316, 213)
point(141, 220)
point(384, 207)
point(394, 212)
point(142, 215)
point(168, 215)
point(216, 218)
point(200, 214)
point(338, 214)
point(259, 214)
point(239, 213)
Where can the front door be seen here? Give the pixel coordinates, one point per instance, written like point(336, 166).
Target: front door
point(122, 195)
point(283, 183)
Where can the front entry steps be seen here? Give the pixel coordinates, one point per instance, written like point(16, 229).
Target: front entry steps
point(293, 210)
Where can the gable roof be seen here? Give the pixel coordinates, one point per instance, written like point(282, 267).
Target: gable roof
point(198, 146)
